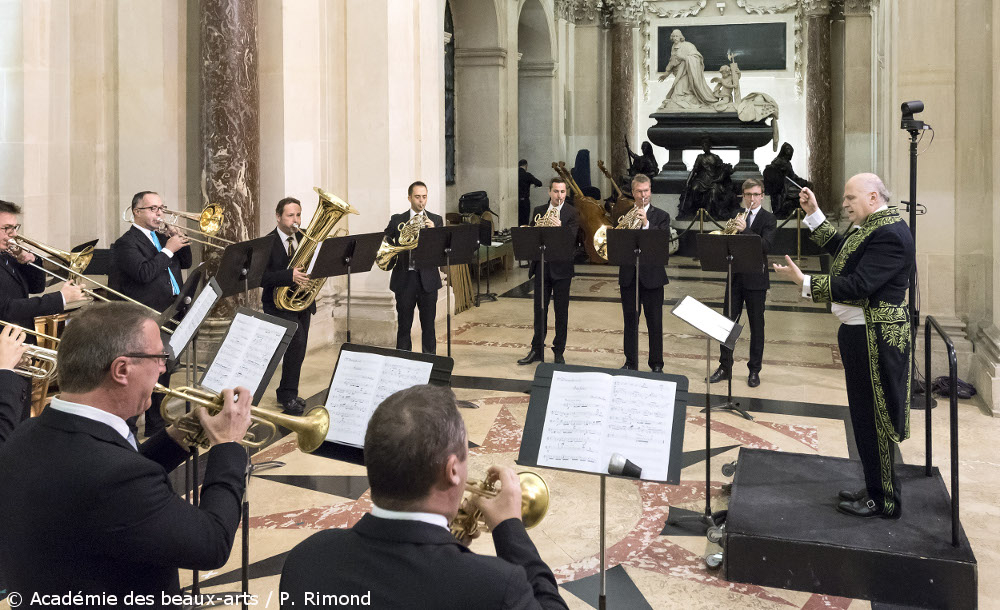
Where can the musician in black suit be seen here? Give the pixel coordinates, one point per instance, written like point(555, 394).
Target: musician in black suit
point(287, 238)
point(750, 288)
point(414, 287)
point(652, 279)
point(558, 276)
point(14, 388)
point(402, 555)
point(146, 266)
point(18, 281)
point(525, 180)
point(106, 520)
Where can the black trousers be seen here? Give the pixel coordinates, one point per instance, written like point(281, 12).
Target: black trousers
point(875, 448)
point(523, 211)
point(754, 301)
point(559, 290)
point(413, 295)
point(291, 363)
point(650, 303)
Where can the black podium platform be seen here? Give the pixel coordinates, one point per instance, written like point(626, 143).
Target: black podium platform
point(783, 530)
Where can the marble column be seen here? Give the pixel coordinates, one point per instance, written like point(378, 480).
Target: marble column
point(622, 87)
point(230, 122)
point(818, 91)
point(858, 93)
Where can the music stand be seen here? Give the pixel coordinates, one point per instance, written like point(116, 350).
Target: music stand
point(553, 244)
point(738, 253)
point(243, 264)
point(344, 256)
point(630, 247)
point(485, 237)
point(444, 247)
point(182, 300)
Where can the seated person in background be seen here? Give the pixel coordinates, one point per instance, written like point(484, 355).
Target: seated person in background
point(402, 554)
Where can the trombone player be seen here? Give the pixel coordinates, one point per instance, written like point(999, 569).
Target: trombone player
point(146, 266)
point(111, 521)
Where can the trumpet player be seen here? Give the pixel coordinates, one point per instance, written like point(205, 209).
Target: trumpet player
point(414, 288)
point(402, 554)
point(146, 266)
point(558, 276)
point(286, 234)
point(14, 389)
point(110, 520)
point(652, 279)
point(750, 288)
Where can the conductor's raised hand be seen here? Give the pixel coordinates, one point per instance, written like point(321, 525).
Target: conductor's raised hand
point(231, 423)
point(807, 199)
point(790, 271)
point(507, 503)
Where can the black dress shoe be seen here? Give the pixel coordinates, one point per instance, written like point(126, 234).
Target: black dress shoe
point(295, 406)
point(852, 496)
point(657, 369)
point(533, 356)
point(558, 358)
point(720, 374)
point(753, 380)
point(864, 507)
point(629, 367)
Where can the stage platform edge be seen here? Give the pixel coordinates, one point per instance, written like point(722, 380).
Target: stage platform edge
point(783, 530)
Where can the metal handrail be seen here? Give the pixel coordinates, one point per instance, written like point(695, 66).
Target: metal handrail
point(931, 323)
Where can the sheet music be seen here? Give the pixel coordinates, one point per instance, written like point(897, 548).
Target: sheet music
point(243, 358)
point(704, 318)
point(361, 383)
point(589, 416)
point(193, 319)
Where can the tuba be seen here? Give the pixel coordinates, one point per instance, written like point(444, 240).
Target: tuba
point(331, 210)
point(409, 237)
point(534, 504)
point(629, 221)
point(311, 427)
point(36, 362)
point(731, 225)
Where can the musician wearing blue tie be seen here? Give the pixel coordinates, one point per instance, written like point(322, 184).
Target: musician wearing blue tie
point(146, 265)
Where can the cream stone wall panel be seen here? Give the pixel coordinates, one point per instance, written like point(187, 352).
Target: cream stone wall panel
point(270, 69)
point(536, 108)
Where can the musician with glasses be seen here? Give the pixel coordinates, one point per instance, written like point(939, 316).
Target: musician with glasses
point(287, 239)
point(414, 288)
point(13, 387)
point(19, 279)
point(85, 508)
point(402, 554)
point(146, 266)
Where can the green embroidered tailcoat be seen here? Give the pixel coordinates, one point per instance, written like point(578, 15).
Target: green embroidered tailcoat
point(871, 269)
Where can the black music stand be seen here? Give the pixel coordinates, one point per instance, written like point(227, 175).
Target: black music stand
point(739, 253)
point(531, 438)
point(444, 247)
point(632, 247)
point(485, 238)
point(243, 264)
point(344, 256)
point(553, 244)
point(184, 297)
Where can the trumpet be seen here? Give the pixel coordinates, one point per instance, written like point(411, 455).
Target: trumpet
point(534, 504)
point(209, 222)
point(37, 362)
point(311, 427)
point(409, 237)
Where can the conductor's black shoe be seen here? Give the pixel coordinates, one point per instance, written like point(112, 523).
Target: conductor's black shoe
point(864, 507)
point(629, 367)
point(558, 358)
point(657, 369)
point(852, 496)
point(533, 356)
point(753, 380)
point(720, 374)
point(295, 406)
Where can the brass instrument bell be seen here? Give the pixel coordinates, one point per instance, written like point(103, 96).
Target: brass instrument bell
point(534, 504)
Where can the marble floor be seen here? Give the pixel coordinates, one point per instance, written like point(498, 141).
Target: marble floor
point(802, 381)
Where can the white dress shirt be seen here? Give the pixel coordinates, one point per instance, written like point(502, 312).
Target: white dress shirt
point(116, 423)
point(397, 515)
point(155, 242)
point(848, 314)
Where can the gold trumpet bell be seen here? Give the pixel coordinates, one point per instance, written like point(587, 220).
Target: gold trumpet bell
point(534, 499)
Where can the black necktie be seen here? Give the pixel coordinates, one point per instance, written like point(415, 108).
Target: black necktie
point(291, 246)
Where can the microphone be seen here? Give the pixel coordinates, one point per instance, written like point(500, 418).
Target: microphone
point(623, 467)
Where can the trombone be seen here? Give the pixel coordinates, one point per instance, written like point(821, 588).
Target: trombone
point(311, 427)
point(37, 362)
point(209, 221)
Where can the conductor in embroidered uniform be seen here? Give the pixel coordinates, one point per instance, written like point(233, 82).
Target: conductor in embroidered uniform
point(867, 287)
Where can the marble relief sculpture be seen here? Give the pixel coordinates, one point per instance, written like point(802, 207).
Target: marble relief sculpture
point(689, 91)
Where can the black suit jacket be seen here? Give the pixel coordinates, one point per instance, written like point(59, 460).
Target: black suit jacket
point(650, 276)
point(106, 519)
point(139, 270)
point(765, 225)
point(570, 220)
point(430, 277)
point(411, 564)
point(17, 283)
point(14, 391)
point(278, 274)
